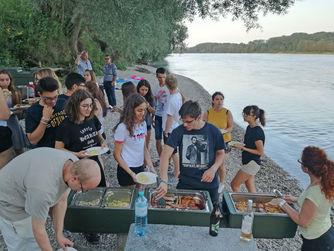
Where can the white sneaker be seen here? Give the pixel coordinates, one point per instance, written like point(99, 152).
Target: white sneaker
point(221, 188)
point(110, 107)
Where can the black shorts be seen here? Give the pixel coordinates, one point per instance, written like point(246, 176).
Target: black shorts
point(6, 138)
point(125, 179)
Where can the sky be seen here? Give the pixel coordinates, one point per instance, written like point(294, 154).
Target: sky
point(307, 16)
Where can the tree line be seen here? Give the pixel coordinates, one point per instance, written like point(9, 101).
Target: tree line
point(55, 31)
point(320, 42)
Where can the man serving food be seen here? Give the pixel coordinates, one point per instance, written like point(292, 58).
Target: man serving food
point(35, 184)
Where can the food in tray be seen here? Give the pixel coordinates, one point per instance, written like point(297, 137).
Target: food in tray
point(185, 202)
point(117, 203)
point(236, 143)
point(259, 207)
point(142, 178)
point(93, 152)
point(91, 203)
point(116, 200)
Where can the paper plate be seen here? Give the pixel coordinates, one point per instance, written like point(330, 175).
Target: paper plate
point(67, 249)
point(94, 151)
point(236, 143)
point(146, 178)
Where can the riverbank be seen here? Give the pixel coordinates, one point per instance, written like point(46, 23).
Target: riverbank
point(270, 176)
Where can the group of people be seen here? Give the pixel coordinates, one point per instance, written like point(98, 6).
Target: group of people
point(61, 127)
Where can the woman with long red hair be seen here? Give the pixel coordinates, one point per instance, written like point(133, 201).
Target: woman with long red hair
point(315, 202)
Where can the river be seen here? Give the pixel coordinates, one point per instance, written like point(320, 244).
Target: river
point(295, 90)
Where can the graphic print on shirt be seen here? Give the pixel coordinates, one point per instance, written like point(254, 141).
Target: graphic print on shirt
point(162, 98)
point(56, 119)
point(195, 151)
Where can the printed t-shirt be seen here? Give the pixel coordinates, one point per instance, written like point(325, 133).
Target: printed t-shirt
point(219, 119)
point(79, 137)
point(252, 134)
point(161, 94)
point(321, 221)
point(33, 118)
point(197, 150)
point(133, 146)
point(32, 183)
point(172, 108)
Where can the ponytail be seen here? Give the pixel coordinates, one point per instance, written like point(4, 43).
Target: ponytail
point(262, 118)
point(327, 180)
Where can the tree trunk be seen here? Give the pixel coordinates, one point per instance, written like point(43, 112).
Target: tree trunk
point(75, 33)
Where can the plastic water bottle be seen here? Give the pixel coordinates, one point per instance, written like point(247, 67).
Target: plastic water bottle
point(141, 215)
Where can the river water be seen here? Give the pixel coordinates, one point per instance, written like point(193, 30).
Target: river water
point(295, 90)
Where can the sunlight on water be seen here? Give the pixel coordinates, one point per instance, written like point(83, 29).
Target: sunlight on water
point(296, 91)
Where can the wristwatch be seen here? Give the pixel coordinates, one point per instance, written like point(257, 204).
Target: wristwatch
point(282, 203)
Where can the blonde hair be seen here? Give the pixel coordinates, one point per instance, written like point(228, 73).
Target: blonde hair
point(47, 72)
point(171, 81)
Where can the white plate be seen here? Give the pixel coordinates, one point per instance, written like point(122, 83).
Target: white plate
point(236, 143)
point(17, 107)
point(97, 150)
point(67, 249)
point(223, 131)
point(151, 178)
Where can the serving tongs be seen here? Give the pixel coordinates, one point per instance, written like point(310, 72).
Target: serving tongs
point(277, 193)
point(161, 203)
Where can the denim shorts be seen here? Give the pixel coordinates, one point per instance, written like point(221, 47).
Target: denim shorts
point(158, 127)
point(149, 127)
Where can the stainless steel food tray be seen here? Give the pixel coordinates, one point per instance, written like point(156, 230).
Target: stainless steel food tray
point(114, 194)
point(255, 197)
point(83, 199)
point(199, 194)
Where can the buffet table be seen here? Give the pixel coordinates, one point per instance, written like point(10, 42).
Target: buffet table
point(175, 237)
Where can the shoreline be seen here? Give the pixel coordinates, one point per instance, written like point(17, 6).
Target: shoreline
point(270, 176)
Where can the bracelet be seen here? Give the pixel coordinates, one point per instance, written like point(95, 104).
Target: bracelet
point(282, 203)
point(43, 122)
point(46, 119)
point(163, 181)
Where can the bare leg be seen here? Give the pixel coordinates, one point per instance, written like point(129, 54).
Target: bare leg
point(158, 146)
point(222, 171)
point(238, 179)
point(147, 139)
point(5, 157)
point(19, 151)
point(250, 184)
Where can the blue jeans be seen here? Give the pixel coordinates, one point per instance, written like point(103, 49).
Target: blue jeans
point(110, 90)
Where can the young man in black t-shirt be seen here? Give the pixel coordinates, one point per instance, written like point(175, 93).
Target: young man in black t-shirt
point(73, 82)
point(43, 117)
point(202, 173)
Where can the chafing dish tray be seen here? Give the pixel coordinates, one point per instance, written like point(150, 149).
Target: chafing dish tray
point(182, 207)
point(91, 198)
point(120, 199)
point(267, 223)
point(101, 210)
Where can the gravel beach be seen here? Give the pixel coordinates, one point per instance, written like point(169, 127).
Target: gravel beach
point(270, 176)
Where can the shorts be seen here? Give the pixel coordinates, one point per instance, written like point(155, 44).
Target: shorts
point(158, 127)
point(251, 168)
point(125, 179)
point(6, 138)
point(149, 127)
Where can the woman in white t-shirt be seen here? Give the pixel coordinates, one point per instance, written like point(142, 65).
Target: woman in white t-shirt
point(130, 150)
